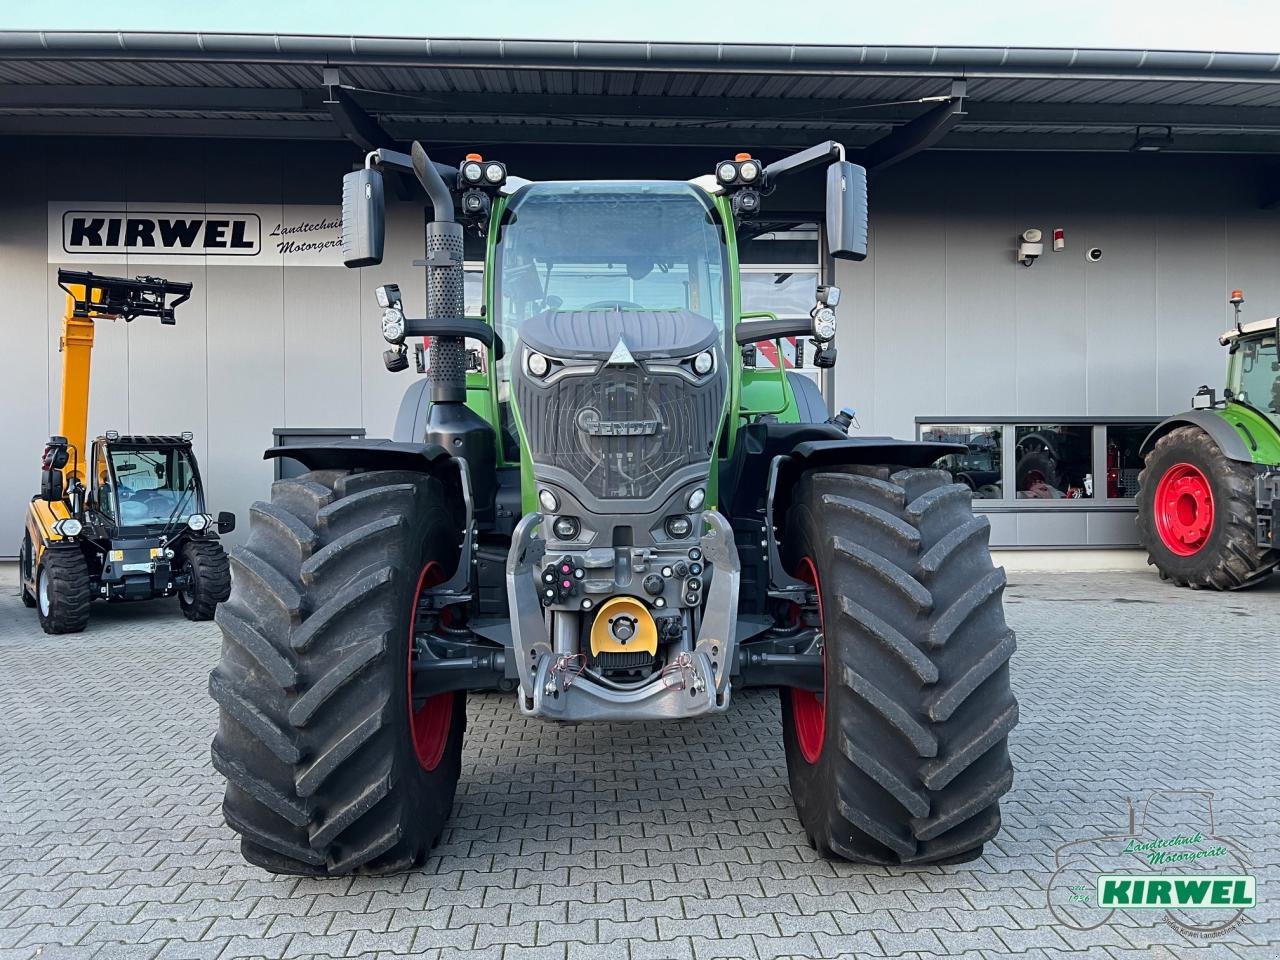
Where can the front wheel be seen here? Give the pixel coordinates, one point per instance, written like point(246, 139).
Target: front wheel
point(904, 756)
point(1197, 514)
point(63, 591)
point(208, 579)
point(333, 766)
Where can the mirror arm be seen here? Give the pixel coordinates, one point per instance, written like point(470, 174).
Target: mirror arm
point(753, 331)
point(822, 153)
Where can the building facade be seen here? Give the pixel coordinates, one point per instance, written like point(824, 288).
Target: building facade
point(943, 332)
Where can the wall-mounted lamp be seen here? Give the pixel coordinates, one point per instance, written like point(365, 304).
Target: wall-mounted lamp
point(1030, 246)
point(1152, 139)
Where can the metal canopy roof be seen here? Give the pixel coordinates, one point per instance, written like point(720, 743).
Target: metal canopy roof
point(475, 91)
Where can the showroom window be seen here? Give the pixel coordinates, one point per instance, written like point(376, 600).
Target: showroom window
point(1066, 462)
point(979, 467)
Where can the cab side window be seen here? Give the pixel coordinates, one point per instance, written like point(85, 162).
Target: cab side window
point(103, 494)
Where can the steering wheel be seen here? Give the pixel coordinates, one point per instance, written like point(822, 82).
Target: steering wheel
point(616, 304)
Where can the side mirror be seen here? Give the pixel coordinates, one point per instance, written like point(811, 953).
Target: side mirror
point(363, 218)
point(226, 521)
point(847, 210)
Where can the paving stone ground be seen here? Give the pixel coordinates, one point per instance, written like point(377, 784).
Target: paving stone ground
point(667, 842)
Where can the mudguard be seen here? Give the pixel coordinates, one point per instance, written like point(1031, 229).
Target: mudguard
point(1222, 433)
point(364, 454)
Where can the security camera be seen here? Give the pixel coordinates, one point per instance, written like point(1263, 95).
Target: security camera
point(1030, 246)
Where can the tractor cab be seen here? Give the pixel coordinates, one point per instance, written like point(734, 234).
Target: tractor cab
point(1253, 367)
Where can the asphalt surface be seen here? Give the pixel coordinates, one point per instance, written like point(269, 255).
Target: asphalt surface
point(660, 841)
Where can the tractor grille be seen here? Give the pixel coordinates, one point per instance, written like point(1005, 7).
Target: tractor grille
point(621, 431)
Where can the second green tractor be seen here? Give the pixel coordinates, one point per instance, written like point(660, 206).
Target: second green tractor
point(610, 517)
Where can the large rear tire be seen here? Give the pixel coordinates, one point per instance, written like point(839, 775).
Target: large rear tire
point(329, 771)
point(63, 592)
point(904, 758)
point(1197, 514)
point(26, 570)
point(208, 579)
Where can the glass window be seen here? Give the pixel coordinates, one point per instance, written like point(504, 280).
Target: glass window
point(1123, 460)
point(1053, 461)
point(786, 293)
point(154, 486)
point(601, 245)
point(979, 467)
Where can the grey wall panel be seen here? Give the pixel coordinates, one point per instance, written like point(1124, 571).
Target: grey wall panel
point(1039, 528)
point(911, 309)
point(246, 383)
point(322, 358)
point(1112, 530)
point(27, 353)
point(1191, 307)
point(1004, 529)
point(982, 332)
point(1253, 262)
point(1120, 312)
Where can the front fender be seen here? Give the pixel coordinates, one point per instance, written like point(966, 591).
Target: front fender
point(1220, 431)
point(364, 454)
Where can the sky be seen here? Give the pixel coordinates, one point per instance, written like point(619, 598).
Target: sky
point(1228, 25)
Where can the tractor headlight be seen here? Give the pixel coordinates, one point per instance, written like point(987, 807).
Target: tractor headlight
point(68, 527)
point(548, 501)
point(197, 522)
point(727, 173)
point(697, 498)
point(472, 172)
point(566, 528)
point(678, 527)
point(537, 364)
point(495, 173)
point(824, 324)
point(748, 171)
point(392, 325)
point(703, 363)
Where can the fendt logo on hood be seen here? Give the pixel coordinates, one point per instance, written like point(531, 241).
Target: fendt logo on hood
point(162, 232)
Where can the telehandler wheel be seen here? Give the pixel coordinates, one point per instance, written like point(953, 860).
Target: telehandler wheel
point(63, 593)
point(329, 770)
point(1197, 514)
point(26, 562)
point(904, 757)
point(208, 579)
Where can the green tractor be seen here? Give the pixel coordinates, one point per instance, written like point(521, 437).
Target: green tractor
point(1209, 488)
point(610, 518)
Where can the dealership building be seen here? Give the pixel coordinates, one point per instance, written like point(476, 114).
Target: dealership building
point(1151, 177)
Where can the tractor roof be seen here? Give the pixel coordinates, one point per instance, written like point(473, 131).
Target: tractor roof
point(1248, 329)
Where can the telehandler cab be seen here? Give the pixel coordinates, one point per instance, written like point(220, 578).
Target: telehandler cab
point(126, 519)
point(616, 521)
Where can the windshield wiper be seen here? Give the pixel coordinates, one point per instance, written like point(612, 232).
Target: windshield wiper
point(168, 524)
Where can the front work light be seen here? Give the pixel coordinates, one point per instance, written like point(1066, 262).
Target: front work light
point(697, 498)
point(68, 527)
point(548, 501)
point(703, 363)
point(197, 522)
point(472, 172)
point(566, 528)
point(495, 173)
point(678, 527)
point(824, 324)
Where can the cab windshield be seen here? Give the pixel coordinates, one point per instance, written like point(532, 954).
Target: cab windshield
point(631, 246)
point(1257, 370)
point(156, 486)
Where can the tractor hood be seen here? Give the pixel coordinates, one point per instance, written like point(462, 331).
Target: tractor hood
point(596, 334)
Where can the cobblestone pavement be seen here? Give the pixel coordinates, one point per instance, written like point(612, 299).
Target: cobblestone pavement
point(614, 841)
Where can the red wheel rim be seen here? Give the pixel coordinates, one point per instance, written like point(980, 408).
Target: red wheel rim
point(1184, 509)
point(808, 710)
point(429, 724)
